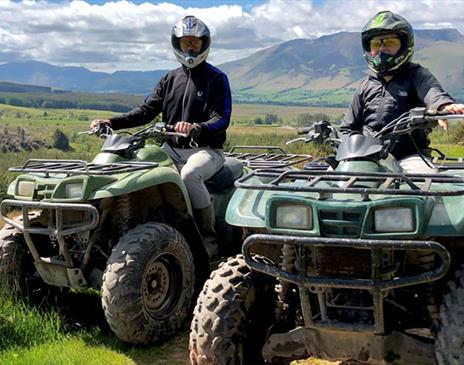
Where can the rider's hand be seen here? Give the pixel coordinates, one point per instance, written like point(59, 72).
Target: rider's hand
point(443, 123)
point(184, 127)
point(452, 109)
point(96, 122)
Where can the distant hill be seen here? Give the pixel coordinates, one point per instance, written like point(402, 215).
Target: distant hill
point(321, 72)
point(325, 70)
point(79, 78)
point(47, 97)
point(21, 88)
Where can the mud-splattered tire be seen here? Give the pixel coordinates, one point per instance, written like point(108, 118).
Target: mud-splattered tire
point(148, 284)
point(12, 255)
point(232, 316)
point(449, 346)
point(17, 270)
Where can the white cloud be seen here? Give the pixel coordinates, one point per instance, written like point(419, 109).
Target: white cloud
point(123, 35)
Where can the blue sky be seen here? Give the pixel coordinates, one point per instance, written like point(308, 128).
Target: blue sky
point(135, 35)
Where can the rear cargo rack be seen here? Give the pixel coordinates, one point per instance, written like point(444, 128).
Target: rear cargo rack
point(79, 167)
point(449, 164)
point(272, 157)
point(335, 182)
point(443, 162)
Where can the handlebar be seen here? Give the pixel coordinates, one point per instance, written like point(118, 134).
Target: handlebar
point(321, 131)
point(304, 130)
point(167, 130)
point(101, 130)
point(417, 118)
point(159, 129)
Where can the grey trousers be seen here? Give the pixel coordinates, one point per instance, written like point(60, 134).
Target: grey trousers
point(196, 165)
point(415, 164)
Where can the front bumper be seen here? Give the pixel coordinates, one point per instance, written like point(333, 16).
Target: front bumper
point(58, 271)
point(377, 285)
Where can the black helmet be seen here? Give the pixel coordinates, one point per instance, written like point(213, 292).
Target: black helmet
point(382, 23)
point(190, 26)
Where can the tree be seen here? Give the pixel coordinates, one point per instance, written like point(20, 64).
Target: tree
point(60, 141)
point(305, 120)
point(272, 119)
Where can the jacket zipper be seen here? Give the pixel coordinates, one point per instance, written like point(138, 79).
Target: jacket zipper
point(185, 95)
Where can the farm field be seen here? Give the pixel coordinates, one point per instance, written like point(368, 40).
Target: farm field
point(71, 336)
point(250, 111)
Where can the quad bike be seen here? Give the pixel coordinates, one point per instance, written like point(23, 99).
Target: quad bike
point(122, 224)
point(347, 259)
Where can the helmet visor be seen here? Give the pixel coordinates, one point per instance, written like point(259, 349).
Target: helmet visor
point(190, 44)
point(388, 42)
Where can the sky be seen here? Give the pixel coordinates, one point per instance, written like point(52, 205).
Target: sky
point(135, 35)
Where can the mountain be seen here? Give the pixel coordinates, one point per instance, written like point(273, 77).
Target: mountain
point(322, 71)
point(327, 69)
point(79, 78)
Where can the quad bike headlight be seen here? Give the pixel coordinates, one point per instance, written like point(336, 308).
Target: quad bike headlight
point(73, 190)
point(400, 219)
point(25, 188)
point(293, 217)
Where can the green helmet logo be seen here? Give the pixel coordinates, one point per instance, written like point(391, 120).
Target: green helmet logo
point(378, 20)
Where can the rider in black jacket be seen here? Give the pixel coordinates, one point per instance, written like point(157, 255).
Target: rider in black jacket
point(200, 94)
point(394, 86)
point(196, 100)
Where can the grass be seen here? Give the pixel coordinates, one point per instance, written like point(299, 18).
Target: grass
point(73, 351)
point(69, 335)
point(22, 326)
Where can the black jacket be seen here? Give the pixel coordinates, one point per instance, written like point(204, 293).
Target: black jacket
point(199, 95)
point(377, 102)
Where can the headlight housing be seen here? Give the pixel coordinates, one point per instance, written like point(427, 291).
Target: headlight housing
point(73, 190)
point(394, 219)
point(25, 188)
point(293, 217)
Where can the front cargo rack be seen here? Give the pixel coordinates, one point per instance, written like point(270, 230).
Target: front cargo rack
point(335, 182)
point(272, 157)
point(79, 167)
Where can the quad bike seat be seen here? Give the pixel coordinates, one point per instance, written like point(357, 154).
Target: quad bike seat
point(225, 177)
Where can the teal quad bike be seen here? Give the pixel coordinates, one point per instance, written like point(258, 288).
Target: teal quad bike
point(347, 259)
point(121, 224)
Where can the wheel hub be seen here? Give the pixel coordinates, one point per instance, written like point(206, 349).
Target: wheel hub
point(155, 287)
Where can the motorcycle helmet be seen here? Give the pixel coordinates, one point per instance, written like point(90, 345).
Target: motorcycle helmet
point(386, 22)
point(190, 26)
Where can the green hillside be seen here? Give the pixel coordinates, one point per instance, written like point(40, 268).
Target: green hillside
point(325, 71)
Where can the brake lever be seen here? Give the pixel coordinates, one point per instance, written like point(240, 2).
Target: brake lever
point(295, 140)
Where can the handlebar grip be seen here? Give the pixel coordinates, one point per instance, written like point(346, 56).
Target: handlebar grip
point(304, 130)
point(170, 128)
point(434, 112)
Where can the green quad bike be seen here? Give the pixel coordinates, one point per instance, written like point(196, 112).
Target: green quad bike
point(122, 224)
point(347, 259)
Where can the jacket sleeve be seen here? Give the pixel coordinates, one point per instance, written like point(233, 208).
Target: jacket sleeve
point(145, 113)
point(429, 90)
point(353, 119)
point(220, 107)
